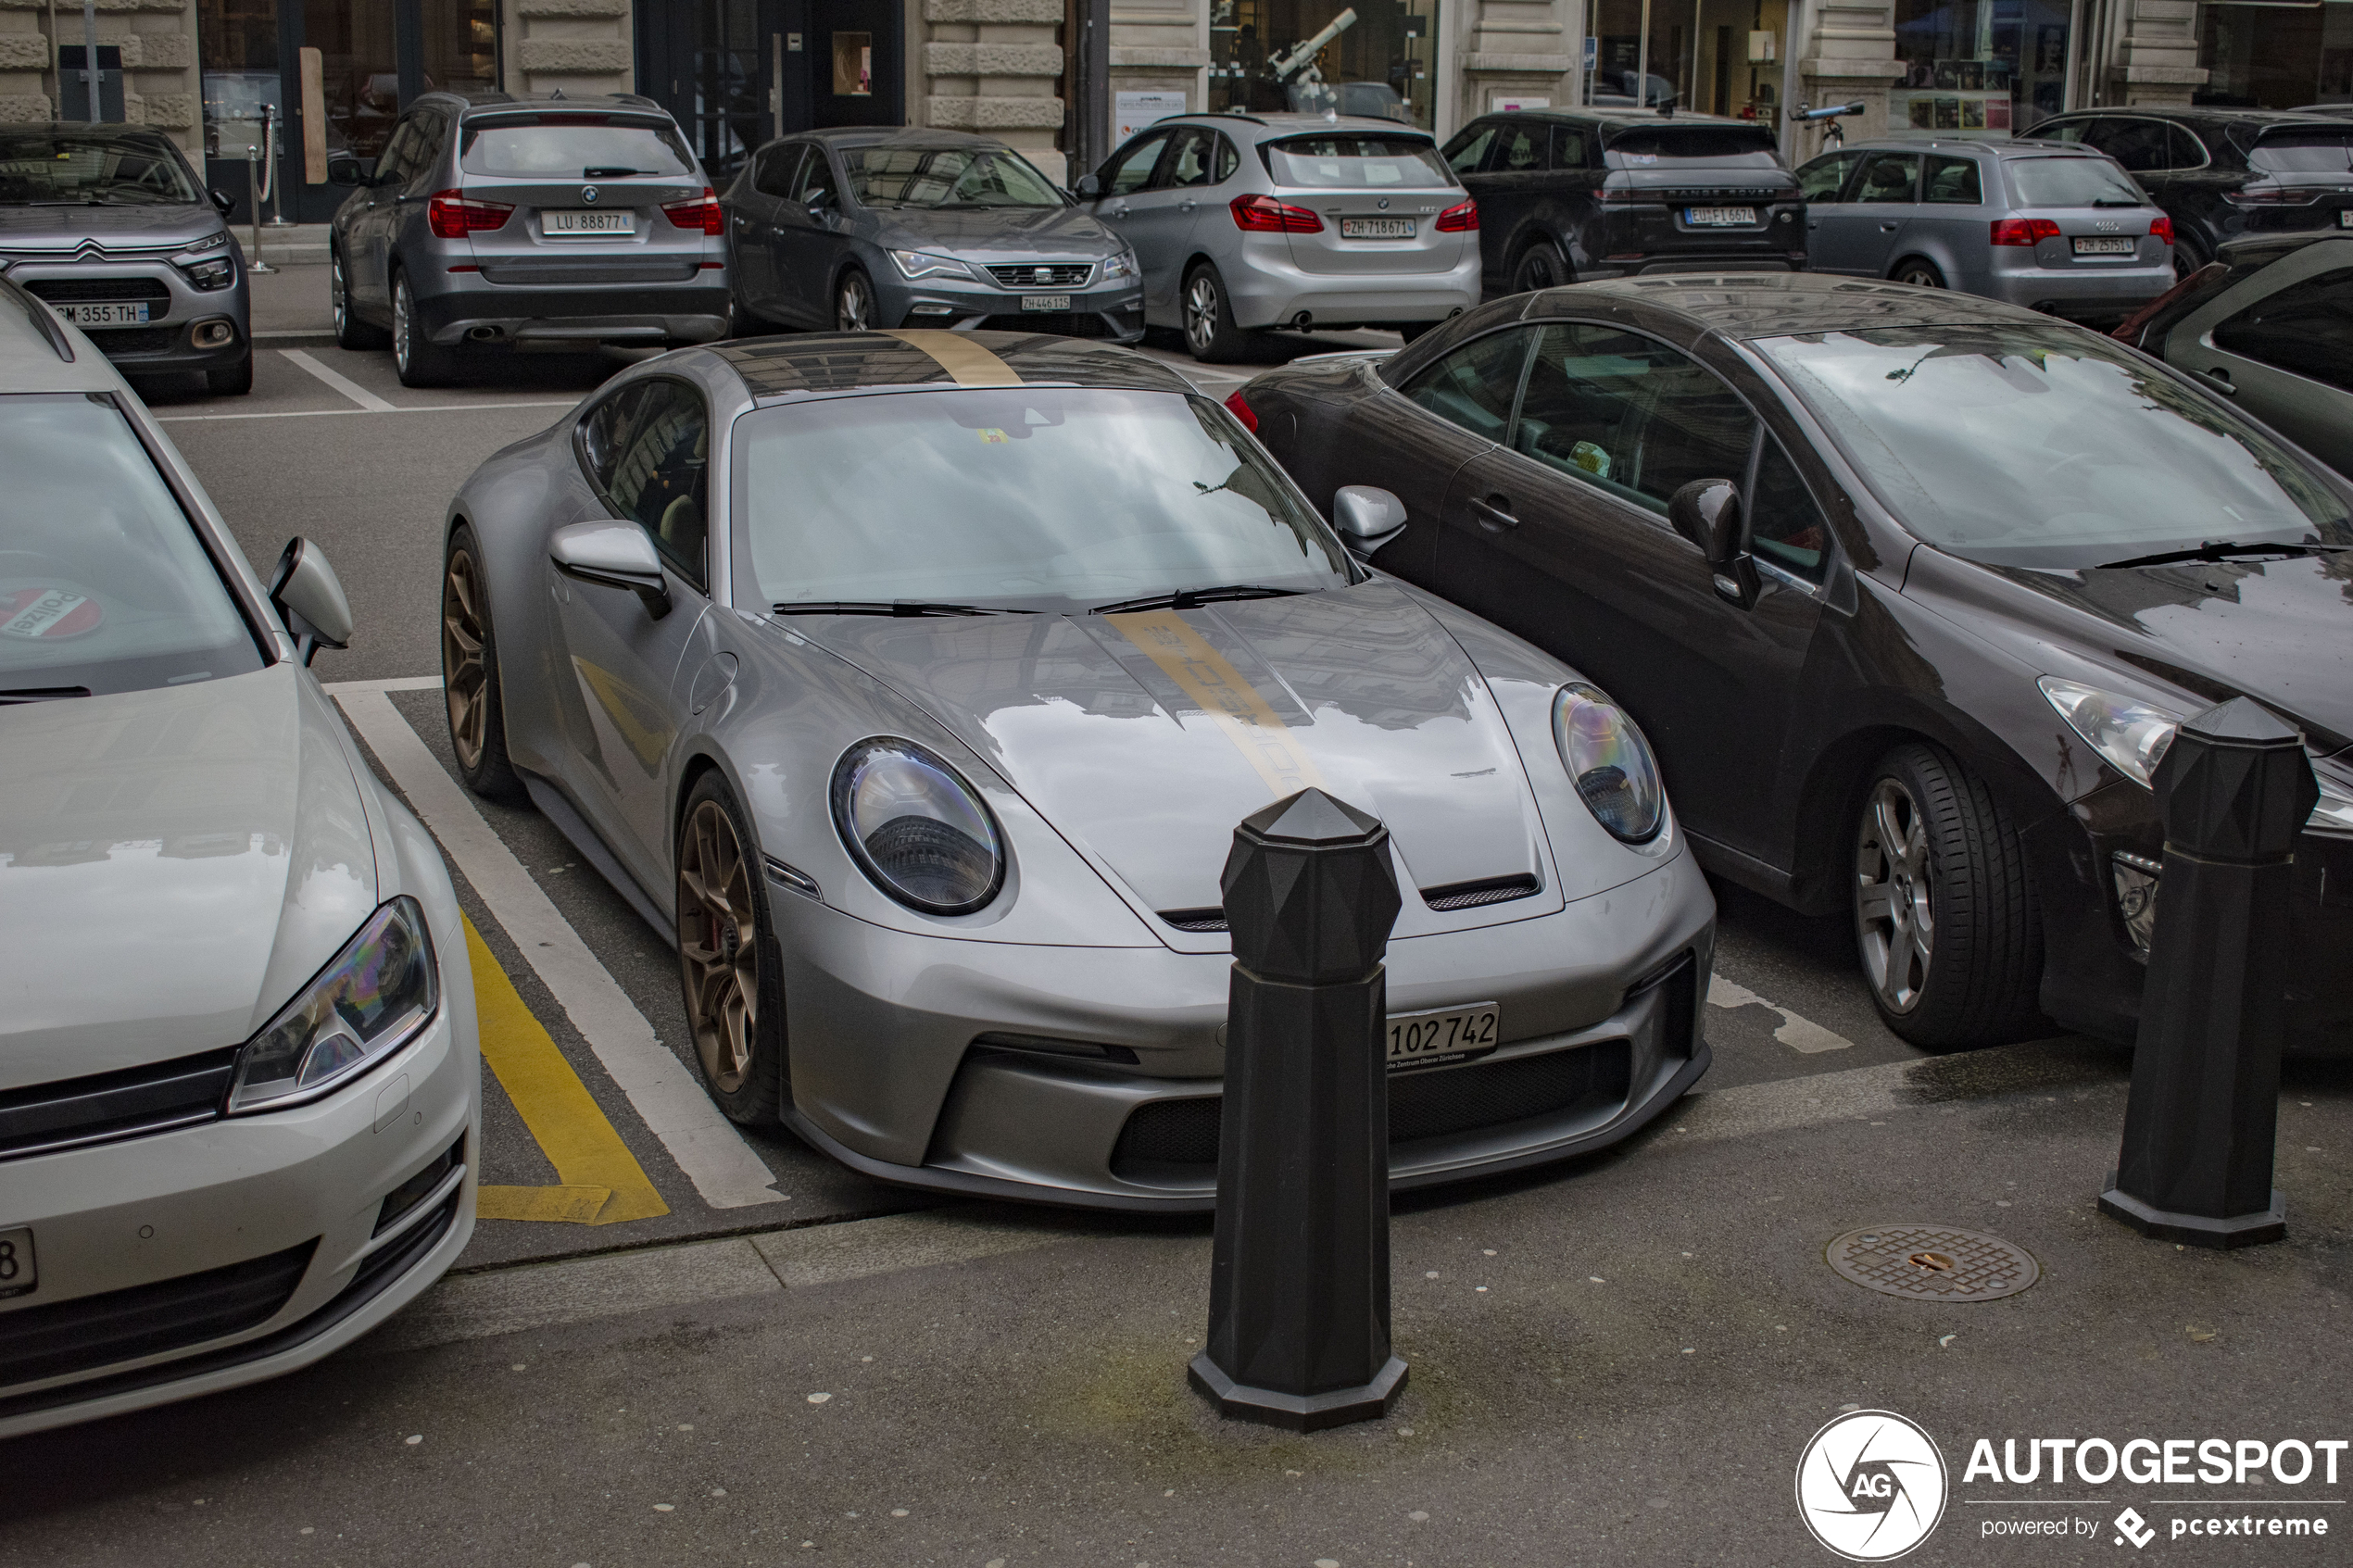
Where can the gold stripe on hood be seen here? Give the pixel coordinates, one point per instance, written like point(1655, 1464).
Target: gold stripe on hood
point(966, 362)
point(1232, 703)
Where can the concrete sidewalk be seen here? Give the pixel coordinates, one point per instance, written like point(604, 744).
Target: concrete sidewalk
point(1619, 1361)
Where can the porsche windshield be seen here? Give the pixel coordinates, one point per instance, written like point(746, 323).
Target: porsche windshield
point(2039, 446)
point(1049, 498)
point(104, 586)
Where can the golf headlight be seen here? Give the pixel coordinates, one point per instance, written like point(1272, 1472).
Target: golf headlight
point(1609, 761)
point(2131, 736)
point(923, 264)
point(916, 828)
point(1120, 266)
point(371, 1000)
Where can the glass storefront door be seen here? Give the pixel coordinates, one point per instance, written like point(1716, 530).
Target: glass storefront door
point(1380, 61)
point(1980, 69)
point(1715, 56)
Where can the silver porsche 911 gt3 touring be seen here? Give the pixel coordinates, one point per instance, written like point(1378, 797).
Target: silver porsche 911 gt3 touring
point(914, 682)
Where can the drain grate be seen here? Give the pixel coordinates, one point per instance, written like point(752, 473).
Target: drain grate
point(1934, 1263)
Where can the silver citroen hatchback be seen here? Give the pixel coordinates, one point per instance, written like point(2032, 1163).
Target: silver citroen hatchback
point(1244, 222)
point(496, 221)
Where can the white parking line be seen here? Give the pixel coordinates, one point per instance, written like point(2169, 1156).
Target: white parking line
point(337, 380)
point(1797, 1034)
point(662, 1091)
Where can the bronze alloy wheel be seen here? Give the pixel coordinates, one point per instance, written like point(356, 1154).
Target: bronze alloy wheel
point(464, 676)
point(718, 945)
point(1894, 907)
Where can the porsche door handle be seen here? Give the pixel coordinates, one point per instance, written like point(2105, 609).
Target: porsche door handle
point(1493, 517)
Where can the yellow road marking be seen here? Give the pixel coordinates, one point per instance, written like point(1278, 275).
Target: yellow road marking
point(966, 362)
point(602, 1182)
point(1232, 703)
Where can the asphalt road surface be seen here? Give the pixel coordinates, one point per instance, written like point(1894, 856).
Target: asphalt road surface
point(330, 444)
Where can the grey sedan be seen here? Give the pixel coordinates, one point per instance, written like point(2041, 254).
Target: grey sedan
point(2053, 226)
point(912, 684)
point(862, 228)
point(110, 225)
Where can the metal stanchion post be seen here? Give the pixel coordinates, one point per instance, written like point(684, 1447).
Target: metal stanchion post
point(2235, 789)
point(1299, 1282)
point(253, 200)
point(276, 177)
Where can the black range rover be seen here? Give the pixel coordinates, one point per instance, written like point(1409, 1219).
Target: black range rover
point(1568, 195)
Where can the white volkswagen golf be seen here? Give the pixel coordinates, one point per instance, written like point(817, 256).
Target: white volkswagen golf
point(239, 1085)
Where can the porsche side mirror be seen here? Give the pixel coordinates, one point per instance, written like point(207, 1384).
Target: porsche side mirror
point(1367, 518)
point(310, 599)
point(1707, 512)
point(613, 555)
point(346, 171)
point(222, 203)
point(1087, 188)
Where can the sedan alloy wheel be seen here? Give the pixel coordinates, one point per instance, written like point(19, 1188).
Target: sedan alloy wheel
point(462, 678)
point(1895, 903)
point(854, 304)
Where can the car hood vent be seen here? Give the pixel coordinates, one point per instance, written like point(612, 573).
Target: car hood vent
point(1471, 894)
point(1212, 919)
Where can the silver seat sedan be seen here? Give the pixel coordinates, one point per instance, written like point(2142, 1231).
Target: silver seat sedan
point(240, 1091)
point(2053, 226)
point(912, 684)
point(1244, 222)
point(494, 223)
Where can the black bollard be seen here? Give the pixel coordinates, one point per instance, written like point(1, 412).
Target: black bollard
point(1299, 1281)
point(2235, 790)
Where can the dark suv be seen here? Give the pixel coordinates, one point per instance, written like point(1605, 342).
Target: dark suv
point(1570, 195)
point(2221, 173)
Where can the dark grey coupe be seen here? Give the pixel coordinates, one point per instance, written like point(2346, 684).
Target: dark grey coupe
point(854, 228)
point(109, 227)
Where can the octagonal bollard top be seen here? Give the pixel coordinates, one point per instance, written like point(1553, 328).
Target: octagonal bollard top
point(1310, 893)
point(2236, 785)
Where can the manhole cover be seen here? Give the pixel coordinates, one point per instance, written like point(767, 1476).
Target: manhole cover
point(1934, 1263)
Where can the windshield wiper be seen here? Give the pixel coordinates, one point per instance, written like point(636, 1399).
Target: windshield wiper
point(903, 608)
point(40, 694)
point(1189, 598)
point(2224, 549)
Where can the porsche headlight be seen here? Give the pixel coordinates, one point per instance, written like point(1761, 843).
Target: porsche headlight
point(2132, 735)
point(916, 828)
point(371, 1000)
point(1609, 761)
point(923, 264)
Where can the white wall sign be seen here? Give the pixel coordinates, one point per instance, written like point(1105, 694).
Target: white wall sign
point(1133, 111)
point(1506, 102)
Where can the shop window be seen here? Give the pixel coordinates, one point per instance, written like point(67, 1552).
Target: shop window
point(1310, 57)
point(1982, 70)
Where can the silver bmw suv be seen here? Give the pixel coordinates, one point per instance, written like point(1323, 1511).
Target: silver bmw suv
point(1246, 221)
point(496, 221)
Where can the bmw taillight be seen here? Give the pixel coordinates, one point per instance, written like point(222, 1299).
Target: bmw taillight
point(1462, 217)
point(2025, 230)
point(452, 215)
point(701, 213)
point(2162, 228)
point(1256, 214)
point(1242, 411)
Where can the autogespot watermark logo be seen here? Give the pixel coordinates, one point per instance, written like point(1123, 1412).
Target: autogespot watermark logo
point(1870, 1486)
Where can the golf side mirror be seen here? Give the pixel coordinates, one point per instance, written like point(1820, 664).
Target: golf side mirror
point(222, 203)
point(310, 599)
point(1367, 518)
point(1087, 188)
point(1707, 512)
point(613, 555)
point(346, 172)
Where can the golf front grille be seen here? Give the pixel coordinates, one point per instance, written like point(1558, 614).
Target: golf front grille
point(1043, 275)
point(89, 1331)
point(107, 1106)
point(1442, 1102)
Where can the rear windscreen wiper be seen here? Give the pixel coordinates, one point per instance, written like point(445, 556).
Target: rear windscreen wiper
point(2224, 549)
point(1187, 598)
point(884, 607)
point(616, 173)
point(2119, 201)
